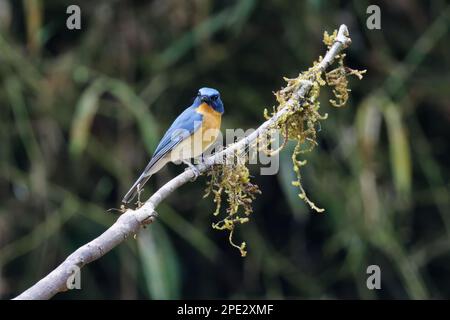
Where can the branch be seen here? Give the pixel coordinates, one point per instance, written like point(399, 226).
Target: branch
point(131, 221)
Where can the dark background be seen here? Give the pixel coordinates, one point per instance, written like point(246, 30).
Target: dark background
point(81, 112)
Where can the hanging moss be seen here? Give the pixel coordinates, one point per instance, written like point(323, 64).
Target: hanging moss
point(300, 124)
point(233, 181)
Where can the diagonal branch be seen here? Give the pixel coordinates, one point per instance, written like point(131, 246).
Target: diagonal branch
point(130, 222)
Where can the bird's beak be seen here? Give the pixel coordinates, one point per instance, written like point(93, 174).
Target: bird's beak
point(205, 99)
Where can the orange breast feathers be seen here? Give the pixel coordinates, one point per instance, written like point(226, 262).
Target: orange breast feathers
point(210, 125)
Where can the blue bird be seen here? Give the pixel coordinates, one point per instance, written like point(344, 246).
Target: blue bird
point(192, 133)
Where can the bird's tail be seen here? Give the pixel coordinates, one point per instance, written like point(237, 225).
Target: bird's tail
point(136, 187)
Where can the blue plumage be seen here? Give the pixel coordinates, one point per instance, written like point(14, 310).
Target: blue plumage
point(185, 125)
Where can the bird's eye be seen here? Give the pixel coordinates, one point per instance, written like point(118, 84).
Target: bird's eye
point(214, 97)
point(198, 94)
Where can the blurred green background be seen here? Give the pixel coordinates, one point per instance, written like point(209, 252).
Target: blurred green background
point(82, 110)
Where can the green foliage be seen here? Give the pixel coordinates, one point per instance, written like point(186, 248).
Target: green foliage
point(233, 181)
point(381, 169)
point(299, 124)
point(88, 105)
point(302, 121)
point(159, 264)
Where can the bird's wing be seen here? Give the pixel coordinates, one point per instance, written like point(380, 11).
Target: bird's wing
point(184, 126)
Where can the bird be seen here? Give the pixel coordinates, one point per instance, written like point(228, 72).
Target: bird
point(192, 133)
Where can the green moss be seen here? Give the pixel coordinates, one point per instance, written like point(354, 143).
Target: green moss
point(232, 179)
point(299, 124)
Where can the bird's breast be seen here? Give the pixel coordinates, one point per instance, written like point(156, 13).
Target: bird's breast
point(210, 124)
point(202, 138)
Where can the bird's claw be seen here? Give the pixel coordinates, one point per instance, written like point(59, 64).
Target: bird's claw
point(139, 191)
point(194, 170)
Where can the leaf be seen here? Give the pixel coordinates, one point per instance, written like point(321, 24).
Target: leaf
point(368, 126)
point(84, 115)
point(87, 107)
point(399, 150)
point(159, 263)
point(136, 106)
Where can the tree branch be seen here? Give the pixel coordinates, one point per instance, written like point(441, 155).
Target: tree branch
point(130, 222)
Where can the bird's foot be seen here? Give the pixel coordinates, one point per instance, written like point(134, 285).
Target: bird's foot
point(193, 168)
point(139, 191)
point(202, 159)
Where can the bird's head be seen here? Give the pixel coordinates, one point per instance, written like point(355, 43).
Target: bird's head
point(211, 97)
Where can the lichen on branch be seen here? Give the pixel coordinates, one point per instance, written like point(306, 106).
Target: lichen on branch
point(301, 123)
point(232, 179)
